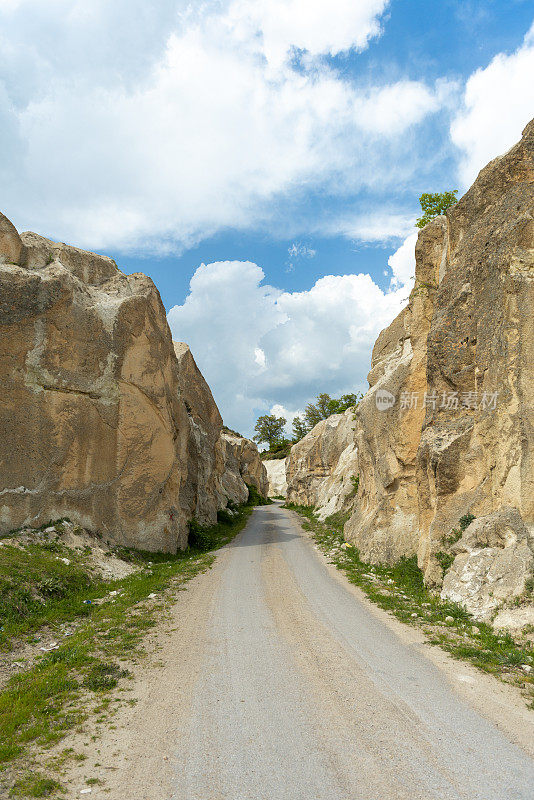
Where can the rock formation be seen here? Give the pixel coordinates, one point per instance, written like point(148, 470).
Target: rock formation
point(494, 559)
point(459, 363)
point(100, 420)
point(276, 476)
point(385, 522)
point(206, 427)
point(320, 466)
point(242, 465)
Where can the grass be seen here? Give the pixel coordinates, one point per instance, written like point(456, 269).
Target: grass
point(35, 785)
point(400, 590)
point(40, 705)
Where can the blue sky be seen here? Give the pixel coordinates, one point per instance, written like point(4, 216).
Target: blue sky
point(260, 161)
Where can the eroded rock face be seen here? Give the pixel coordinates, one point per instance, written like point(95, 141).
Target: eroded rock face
point(239, 464)
point(206, 426)
point(385, 522)
point(494, 559)
point(321, 465)
point(276, 476)
point(102, 419)
point(91, 423)
point(481, 341)
point(466, 339)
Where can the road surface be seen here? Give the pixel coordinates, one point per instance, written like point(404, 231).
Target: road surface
point(281, 684)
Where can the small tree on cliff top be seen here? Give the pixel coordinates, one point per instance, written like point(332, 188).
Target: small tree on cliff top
point(435, 204)
point(269, 429)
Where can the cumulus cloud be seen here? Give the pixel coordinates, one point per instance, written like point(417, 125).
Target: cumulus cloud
point(261, 348)
point(497, 103)
point(134, 126)
point(402, 262)
point(309, 25)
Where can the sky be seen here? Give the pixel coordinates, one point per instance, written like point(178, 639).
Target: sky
point(261, 160)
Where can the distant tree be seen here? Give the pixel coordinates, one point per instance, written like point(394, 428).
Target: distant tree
point(435, 204)
point(269, 429)
point(315, 412)
point(325, 406)
point(345, 401)
point(300, 429)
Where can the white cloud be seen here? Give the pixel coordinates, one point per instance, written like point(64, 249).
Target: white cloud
point(309, 25)
point(497, 104)
point(132, 126)
point(280, 411)
point(260, 348)
point(402, 262)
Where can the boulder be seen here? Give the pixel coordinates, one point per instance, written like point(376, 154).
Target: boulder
point(12, 250)
point(276, 476)
point(495, 558)
point(322, 464)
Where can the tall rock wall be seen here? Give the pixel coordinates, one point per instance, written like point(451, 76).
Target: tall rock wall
point(321, 465)
point(385, 522)
point(205, 430)
point(100, 419)
point(466, 339)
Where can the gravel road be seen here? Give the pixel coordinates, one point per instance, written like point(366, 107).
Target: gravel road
point(280, 682)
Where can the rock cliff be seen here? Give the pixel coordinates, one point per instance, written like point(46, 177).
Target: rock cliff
point(320, 466)
point(101, 420)
point(241, 465)
point(276, 476)
point(447, 427)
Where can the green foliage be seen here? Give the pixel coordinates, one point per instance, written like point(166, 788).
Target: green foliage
point(255, 498)
point(35, 785)
point(300, 429)
point(445, 560)
point(434, 204)
point(104, 676)
point(226, 429)
point(269, 429)
point(465, 521)
point(323, 408)
point(36, 585)
point(281, 450)
point(355, 482)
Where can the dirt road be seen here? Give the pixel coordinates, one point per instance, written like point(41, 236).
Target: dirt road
point(280, 682)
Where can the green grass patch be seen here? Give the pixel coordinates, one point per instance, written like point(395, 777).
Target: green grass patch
point(400, 590)
point(35, 785)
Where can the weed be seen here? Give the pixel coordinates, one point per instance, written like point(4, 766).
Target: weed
point(103, 677)
point(445, 560)
point(35, 785)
